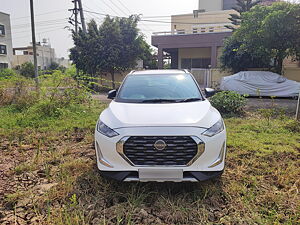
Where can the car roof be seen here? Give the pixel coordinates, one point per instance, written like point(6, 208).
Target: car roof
point(159, 72)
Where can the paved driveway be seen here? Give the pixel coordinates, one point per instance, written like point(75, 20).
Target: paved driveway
point(253, 104)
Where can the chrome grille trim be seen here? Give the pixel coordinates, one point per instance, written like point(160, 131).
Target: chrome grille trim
point(196, 148)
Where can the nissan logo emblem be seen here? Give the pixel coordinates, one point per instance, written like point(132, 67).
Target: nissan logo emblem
point(160, 145)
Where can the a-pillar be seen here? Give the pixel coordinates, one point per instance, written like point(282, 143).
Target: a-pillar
point(160, 58)
point(213, 58)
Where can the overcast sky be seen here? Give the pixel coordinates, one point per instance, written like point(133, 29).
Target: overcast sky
point(51, 17)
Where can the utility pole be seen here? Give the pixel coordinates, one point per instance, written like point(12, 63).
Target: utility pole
point(76, 16)
point(298, 109)
point(82, 16)
point(75, 12)
point(36, 72)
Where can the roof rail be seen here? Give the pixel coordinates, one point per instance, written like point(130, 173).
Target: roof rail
point(132, 71)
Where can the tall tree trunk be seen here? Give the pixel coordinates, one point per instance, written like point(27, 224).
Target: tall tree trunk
point(113, 79)
point(279, 65)
point(279, 61)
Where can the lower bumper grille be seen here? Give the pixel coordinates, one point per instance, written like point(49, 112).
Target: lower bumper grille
point(177, 150)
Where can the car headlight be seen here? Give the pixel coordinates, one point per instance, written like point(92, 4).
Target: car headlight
point(218, 127)
point(105, 130)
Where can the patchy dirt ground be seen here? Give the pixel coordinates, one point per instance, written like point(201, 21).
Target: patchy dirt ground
point(57, 182)
point(28, 173)
point(288, 104)
point(48, 174)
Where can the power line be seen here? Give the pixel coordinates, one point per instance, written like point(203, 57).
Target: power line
point(144, 25)
point(152, 21)
point(110, 7)
point(38, 28)
point(51, 12)
point(25, 36)
point(92, 16)
point(45, 22)
point(124, 6)
point(112, 10)
point(121, 10)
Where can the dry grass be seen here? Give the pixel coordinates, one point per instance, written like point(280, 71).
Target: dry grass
point(54, 179)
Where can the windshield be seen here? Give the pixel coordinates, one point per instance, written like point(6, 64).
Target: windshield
point(159, 88)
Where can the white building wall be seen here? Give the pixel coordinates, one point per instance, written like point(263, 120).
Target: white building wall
point(6, 39)
point(211, 5)
point(45, 57)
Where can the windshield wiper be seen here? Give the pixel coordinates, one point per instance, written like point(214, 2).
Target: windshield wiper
point(158, 100)
point(190, 100)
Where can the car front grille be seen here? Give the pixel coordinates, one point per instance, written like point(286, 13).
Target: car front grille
point(179, 150)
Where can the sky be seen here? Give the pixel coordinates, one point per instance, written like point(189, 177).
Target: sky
point(51, 17)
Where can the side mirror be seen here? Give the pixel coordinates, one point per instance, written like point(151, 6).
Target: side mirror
point(209, 92)
point(112, 94)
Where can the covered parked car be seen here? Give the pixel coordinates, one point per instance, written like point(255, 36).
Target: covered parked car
point(260, 83)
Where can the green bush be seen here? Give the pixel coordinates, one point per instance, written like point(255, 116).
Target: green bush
point(58, 93)
point(27, 70)
point(17, 93)
point(228, 102)
point(6, 73)
point(56, 79)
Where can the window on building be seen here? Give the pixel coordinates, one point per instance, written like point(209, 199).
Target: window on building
point(189, 63)
point(203, 29)
point(2, 29)
point(211, 29)
point(3, 50)
point(3, 66)
point(195, 30)
point(180, 31)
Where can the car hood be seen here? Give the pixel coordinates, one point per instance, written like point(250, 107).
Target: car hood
point(197, 114)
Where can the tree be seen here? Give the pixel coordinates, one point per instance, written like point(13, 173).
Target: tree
point(114, 46)
point(236, 58)
point(267, 35)
point(27, 69)
point(242, 6)
point(149, 57)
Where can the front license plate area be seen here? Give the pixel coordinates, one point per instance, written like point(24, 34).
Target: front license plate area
point(146, 175)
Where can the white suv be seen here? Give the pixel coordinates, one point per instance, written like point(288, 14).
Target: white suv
point(160, 127)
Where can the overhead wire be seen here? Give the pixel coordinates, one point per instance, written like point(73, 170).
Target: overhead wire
point(144, 25)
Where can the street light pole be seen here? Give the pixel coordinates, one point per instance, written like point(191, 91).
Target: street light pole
point(34, 45)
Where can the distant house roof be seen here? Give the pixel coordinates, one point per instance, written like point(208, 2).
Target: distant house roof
point(4, 13)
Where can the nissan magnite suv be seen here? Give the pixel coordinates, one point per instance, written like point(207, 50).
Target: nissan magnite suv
point(160, 127)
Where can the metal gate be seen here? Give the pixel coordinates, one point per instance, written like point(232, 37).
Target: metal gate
point(202, 76)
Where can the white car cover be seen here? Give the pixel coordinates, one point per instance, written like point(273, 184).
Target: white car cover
point(260, 83)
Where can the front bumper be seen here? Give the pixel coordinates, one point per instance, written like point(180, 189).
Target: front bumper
point(208, 165)
point(188, 176)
